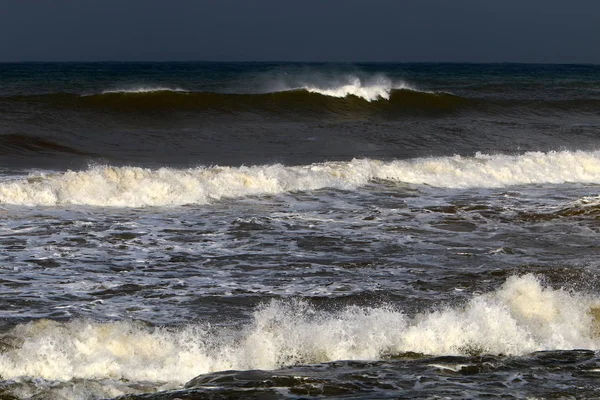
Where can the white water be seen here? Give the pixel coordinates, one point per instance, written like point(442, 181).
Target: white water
point(138, 187)
point(520, 317)
point(379, 87)
point(369, 88)
point(144, 89)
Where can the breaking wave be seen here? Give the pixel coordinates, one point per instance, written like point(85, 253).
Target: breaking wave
point(138, 187)
point(521, 317)
point(344, 100)
point(377, 88)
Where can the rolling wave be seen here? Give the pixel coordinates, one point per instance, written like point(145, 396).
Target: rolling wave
point(296, 101)
point(373, 90)
point(520, 317)
point(340, 101)
point(376, 88)
point(107, 186)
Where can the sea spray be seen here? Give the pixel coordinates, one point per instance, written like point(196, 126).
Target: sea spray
point(521, 317)
point(375, 88)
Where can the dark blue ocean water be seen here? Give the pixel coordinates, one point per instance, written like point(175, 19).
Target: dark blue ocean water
point(247, 113)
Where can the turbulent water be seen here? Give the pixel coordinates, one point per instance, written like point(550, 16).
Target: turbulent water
point(277, 230)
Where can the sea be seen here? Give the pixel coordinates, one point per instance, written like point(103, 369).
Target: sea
point(203, 230)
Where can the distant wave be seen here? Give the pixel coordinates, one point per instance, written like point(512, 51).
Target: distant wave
point(342, 101)
point(107, 186)
point(338, 102)
point(520, 317)
point(144, 89)
point(369, 87)
point(371, 90)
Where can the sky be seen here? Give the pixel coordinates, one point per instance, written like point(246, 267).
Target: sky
point(543, 31)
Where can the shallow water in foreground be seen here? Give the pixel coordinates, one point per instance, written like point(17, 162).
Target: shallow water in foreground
point(453, 289)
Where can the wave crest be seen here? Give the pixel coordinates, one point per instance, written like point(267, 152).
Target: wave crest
point(138, 187)
point(379, 87)
point(337, 95)
point(521, 317)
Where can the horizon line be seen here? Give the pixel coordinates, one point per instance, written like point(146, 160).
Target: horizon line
point(289, 62)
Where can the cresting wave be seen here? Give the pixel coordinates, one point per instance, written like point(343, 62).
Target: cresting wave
point(107, 186)
point(370, 89)
point(354, 99)
point(343, 100)
point(521, 317)
point(379, 87)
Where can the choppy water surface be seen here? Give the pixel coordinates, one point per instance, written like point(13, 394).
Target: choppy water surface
point(326, 238)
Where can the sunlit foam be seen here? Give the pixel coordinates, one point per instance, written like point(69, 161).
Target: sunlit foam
point(520, 317)
point(373, 89)
point(370, 88)
point(138, 187)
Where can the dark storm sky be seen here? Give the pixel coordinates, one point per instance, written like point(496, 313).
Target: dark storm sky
point(566, 31)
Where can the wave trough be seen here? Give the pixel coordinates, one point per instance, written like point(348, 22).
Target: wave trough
point(107, 186)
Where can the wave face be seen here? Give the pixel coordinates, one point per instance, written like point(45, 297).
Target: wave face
point(520, 317)
point(346, 100)
point(353, 100)
point(344, 90)
point(349, 100)
point(370, 88)
point(138, 187)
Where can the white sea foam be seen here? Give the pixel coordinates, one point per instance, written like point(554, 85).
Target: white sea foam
point(370, 88)
point(367, 87)
point(144, 89)
point(138, 187)
point(379, 87)
point(520, 317)
point(587, 202)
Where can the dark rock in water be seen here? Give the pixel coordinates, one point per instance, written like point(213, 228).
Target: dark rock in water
point(248, 379)
point(47, 263)
point(208, 394)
